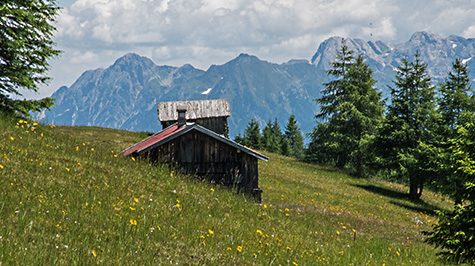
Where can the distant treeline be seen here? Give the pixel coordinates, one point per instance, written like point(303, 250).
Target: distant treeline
point(289, 142)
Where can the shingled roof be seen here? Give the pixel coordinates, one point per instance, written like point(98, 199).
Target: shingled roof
point(174, 131)
point(167, 111)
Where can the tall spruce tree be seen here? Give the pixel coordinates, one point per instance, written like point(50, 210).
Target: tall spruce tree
point(406, 141)
point(26, 32)
point(272, 137)
point(294, 138)
point(252, 135)
point(456, 105)
point(455, 233)
point(351, 110)
point(326, 146)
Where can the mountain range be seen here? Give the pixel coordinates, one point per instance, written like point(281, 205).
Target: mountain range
point(125, 95)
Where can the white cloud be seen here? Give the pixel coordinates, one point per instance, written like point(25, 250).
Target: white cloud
point(81, 58)
point(204, 32)
point(469, 32)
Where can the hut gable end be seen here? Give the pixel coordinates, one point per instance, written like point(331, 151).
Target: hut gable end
point(211, 114)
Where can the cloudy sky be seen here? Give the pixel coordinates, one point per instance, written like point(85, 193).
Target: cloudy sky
point(94, 33)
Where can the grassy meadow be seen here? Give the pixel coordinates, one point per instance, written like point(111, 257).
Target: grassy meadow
point(66, 198)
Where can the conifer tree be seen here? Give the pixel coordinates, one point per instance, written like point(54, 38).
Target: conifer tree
point(252, 135)
point(272, 137)
point(285, 148)
point(351, 110)
point(456, 105)
point(294, 138)
point(406, 141)
point(455, 233)
point(26, 32)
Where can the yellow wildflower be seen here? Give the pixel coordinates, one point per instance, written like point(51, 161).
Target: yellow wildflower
point(210, 232)
point(1, 166)
point(133, 222)
point(136, 199)
point(239, 248)
point(94, 252)
point(259, 232)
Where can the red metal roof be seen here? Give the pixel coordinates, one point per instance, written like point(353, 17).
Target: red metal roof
point(153, 139)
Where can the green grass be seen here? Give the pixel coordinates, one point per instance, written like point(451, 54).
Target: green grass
point(67, 198)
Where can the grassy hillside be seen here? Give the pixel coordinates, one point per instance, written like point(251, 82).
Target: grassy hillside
point(67, 198)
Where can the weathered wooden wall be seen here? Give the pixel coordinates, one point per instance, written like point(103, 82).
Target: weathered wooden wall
point(167, 111)
point(216, 124)
point(200, 154)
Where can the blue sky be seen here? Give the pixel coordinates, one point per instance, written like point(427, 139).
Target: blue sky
point(94, 33)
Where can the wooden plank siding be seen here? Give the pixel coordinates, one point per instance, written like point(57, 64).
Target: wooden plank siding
point(215, 124)
point(197, 153)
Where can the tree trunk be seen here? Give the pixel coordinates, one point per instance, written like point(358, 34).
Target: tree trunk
point(421, 187)
point(413, 189)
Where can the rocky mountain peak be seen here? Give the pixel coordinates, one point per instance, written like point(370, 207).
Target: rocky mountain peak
point(423, 37)
point(133, 60)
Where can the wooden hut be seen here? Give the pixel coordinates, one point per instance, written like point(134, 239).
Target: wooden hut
point(193, 148)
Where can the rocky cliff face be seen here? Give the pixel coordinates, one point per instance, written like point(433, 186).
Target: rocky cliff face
point(125, 95)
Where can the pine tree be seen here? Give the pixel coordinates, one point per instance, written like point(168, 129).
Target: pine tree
point(294, 138)
point(272, 137)
point(455, 233)
point(26, 32)
point(241, 139)
point(252, 135)
point(285, 147)
point(327, 146)
point(351, 111)
point(406, 141)
point(335, 91)
point(456, 104)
